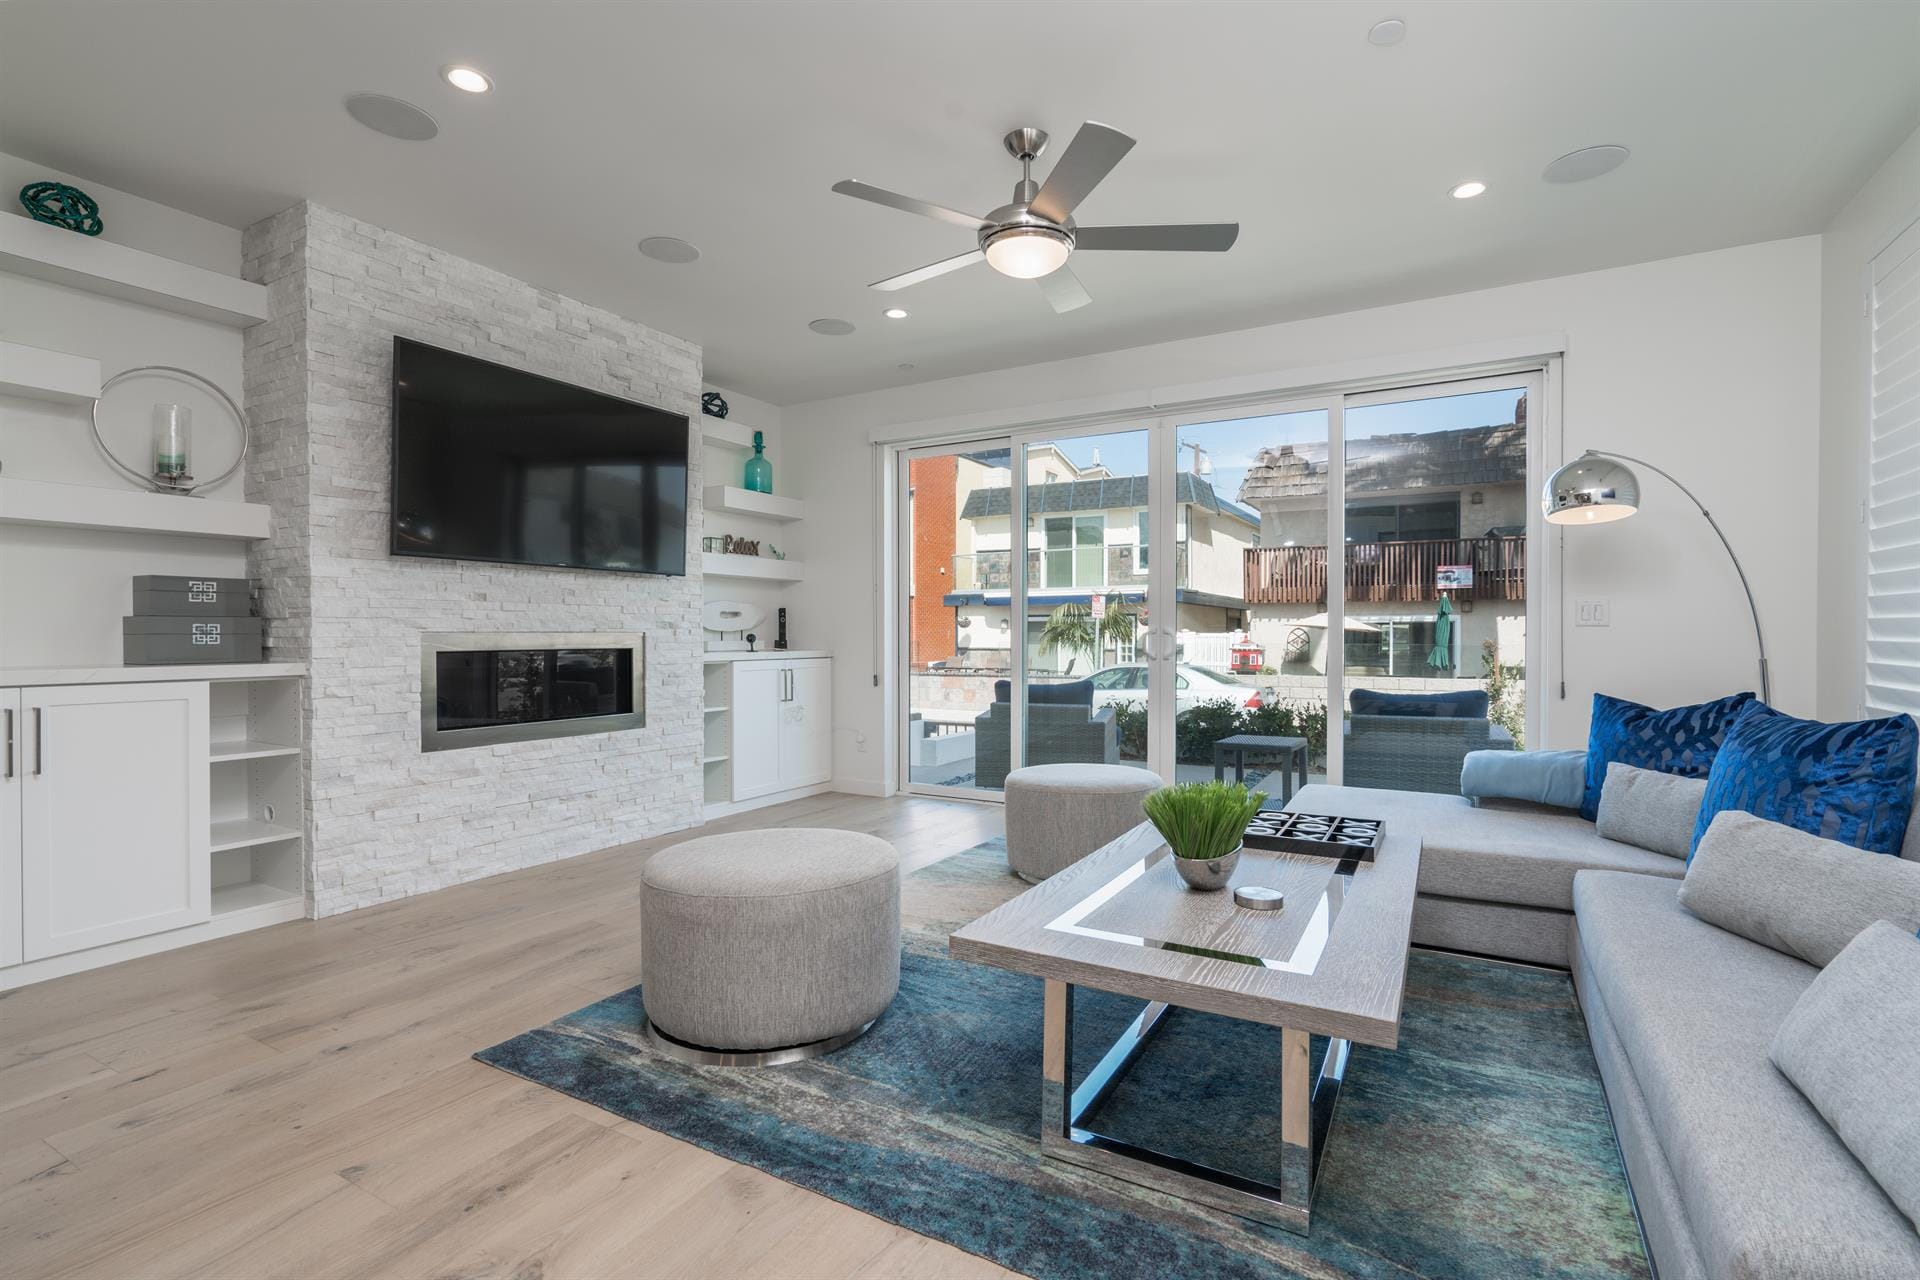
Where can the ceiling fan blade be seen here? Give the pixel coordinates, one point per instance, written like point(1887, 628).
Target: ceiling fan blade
point(1188, 237)
point(1088, 158)
point(907, 204)
point(929, 271)
point(1063, 290)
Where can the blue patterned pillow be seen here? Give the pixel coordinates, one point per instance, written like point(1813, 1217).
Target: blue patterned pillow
point(1851, 782)
point(1680, 740)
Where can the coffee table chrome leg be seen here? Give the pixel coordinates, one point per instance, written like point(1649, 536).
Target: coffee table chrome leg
point(1306, 1107)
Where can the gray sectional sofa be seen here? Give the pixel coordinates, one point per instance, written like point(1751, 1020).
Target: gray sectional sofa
point(1734, 1174)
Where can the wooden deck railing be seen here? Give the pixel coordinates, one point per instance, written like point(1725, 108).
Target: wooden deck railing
point(1389, 571)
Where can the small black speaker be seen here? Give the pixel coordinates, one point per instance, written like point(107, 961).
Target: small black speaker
point(780, 640)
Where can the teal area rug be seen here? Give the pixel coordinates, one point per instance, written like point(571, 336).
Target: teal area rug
point(1480, 1149)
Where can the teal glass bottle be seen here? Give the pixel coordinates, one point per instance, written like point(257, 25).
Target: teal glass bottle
point(759, 471)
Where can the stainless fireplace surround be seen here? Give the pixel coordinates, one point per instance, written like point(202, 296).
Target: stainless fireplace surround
point(435, 643)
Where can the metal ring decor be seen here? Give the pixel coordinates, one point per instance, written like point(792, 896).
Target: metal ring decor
point(62, 205)
point(154, 482)
point(713, 404)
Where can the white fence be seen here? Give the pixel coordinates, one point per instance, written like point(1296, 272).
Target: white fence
point(1207, 648)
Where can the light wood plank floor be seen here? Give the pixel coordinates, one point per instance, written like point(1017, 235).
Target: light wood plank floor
point(301, 1101)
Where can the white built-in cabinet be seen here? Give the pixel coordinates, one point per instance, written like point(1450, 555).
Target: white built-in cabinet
point(141, 815)
point(769, 726)
point(113, 814)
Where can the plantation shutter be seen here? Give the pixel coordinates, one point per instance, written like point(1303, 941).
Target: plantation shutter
point(1893, 494)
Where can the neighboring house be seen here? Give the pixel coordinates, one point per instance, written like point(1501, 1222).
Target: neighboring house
point(1429, 513)
point(1087, 536)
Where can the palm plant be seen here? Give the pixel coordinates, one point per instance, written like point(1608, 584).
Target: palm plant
point(1203, 820)
point(1069, 628)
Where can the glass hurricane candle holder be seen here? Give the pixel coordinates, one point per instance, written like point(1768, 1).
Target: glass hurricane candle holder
point(172, 445)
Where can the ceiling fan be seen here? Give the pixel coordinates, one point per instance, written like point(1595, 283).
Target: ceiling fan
point(1031, 237)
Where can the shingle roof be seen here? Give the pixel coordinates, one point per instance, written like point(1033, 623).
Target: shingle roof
point(1111, 493)
point(1456, 459)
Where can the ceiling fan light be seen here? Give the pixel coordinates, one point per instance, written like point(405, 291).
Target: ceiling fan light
point(1027, 253)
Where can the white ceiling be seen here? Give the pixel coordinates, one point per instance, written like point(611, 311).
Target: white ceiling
point(726, 122)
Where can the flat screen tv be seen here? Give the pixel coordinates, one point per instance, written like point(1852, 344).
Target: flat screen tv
point(490, 463)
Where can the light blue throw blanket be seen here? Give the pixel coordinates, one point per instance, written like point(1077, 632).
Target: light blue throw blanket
point(1555, 778)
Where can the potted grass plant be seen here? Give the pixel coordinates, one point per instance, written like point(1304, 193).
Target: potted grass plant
point(1203, 823)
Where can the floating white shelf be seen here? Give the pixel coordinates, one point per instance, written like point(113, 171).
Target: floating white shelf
point(713, 711)
point(745, 502)
point(47, 252)
point(726, 433)
point(248, 751)
point(48, 375)
point(83, 506)
point(713, 759)
point(240, 833)
point(717, 564)
point(253, 895)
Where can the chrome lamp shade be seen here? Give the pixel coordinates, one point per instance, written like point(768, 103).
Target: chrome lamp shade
point(1592, 489)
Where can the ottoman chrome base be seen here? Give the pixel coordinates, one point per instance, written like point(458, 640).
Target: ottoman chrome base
point(681, 1051)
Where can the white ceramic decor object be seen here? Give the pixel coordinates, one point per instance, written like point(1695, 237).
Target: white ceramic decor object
point(727, 623)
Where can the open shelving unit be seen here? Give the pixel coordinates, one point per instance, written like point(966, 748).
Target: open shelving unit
point(85, 506)
point(47, 252)
point(715, 766)
point(48, 375)
point(716, 564)
point(257, 835)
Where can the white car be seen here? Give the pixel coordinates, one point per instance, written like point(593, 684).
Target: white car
point(1127, 682)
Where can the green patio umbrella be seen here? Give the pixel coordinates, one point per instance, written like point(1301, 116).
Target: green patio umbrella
point(1440, 657)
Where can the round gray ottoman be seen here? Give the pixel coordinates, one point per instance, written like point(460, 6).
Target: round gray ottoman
point(1057, 814)
point(758, 947)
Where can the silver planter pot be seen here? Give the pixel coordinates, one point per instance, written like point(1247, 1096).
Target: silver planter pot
point(1207, 873)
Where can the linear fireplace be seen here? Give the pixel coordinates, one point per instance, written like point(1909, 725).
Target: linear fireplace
point(478, 689)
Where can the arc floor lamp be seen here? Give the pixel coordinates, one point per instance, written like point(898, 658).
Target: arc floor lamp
point(1598, 487)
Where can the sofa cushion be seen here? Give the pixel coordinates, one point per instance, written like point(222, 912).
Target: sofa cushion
point(1521, 857)
point(1794, 892)
point(1868, 1000)
point(1770, 1191)
point(1680, 740)
point(1555, 779)
point(1851, 782)
point(1459, 704)
point(1075, 692)
point(1650, 810)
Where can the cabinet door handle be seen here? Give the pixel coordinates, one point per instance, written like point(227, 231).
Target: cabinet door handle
point(9, 715)
point(39, 744)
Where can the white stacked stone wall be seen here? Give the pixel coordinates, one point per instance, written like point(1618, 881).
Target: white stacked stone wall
point(386, 820)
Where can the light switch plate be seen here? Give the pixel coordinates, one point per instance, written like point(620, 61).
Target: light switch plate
point(1592, 613)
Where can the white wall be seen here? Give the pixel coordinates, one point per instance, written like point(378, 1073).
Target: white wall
point(64, 591)
point(1708, 364)
point(1889, 201)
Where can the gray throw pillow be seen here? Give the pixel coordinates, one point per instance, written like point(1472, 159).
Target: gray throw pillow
point(1649, 810)
point(1850, 1044)
point(1792, 891)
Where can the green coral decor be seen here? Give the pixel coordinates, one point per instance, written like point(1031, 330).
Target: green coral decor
point(1203, 820)
point(61, 205)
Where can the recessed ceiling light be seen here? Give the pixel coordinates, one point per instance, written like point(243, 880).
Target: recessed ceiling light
point(1467, 190)
point(1390, 32)
point(895, 313)
point(904, 366)
point(466, 79)
point(830, 327)
point(1587, 162)
point(669, 249)
point(392, 117)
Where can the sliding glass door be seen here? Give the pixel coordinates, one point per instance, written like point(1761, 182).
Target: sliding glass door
point(1346, 577)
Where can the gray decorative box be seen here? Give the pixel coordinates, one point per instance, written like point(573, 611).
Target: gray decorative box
point(155, 641)
point(168, 596)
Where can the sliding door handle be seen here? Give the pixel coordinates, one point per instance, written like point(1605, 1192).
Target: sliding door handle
point(9, 715)
point(39, 743)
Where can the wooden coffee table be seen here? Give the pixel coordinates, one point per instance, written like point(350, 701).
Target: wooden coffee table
point(1331, 962)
